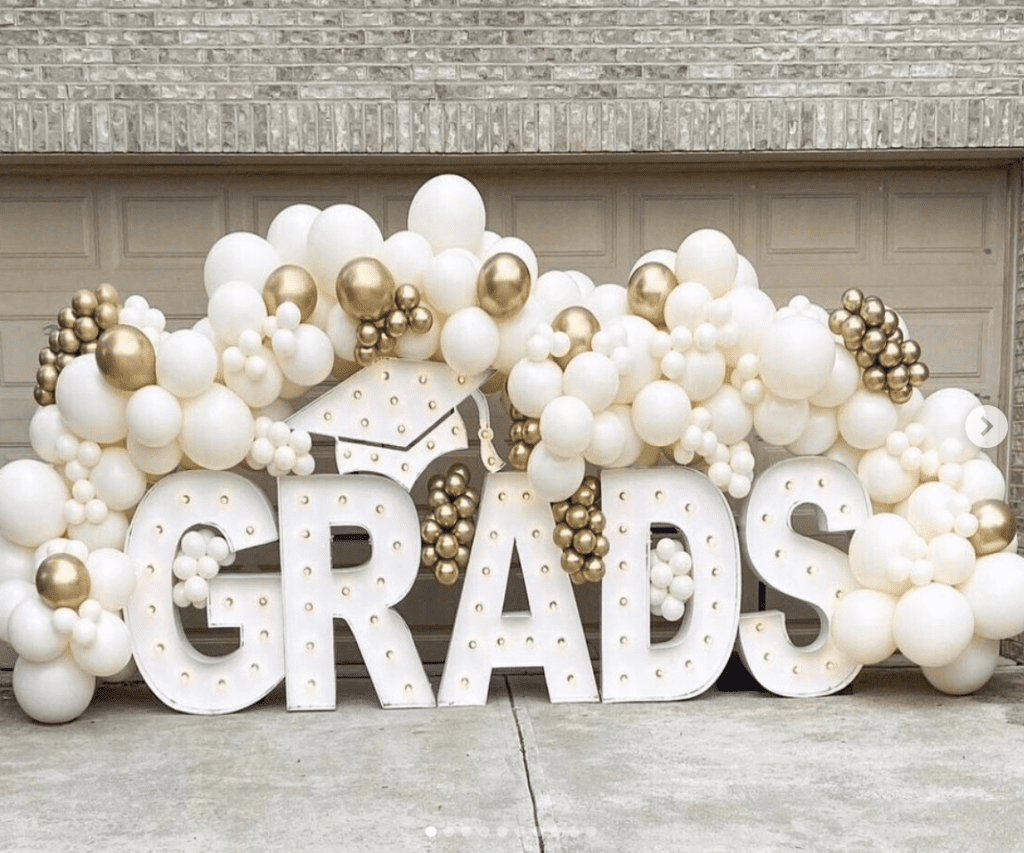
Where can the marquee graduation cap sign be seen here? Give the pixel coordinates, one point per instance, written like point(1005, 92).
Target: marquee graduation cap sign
point(396, 416)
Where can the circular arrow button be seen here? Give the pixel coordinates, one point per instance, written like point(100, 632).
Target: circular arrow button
point(986, 426)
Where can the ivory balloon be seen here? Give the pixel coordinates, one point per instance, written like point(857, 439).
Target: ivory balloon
point(407, 254)
point(126, 358)
point(516, 331)
point(566, 426)
point(111, 577)
point(687, 305)
point(289, 231)
point(633, 447)
point(874, 546)
point(995, 593)
point(420, 345)
point(340, 234)
point(704, 374)
point(187, 363)
point(661, 411)
point(797, 355)
point(593, 378)
point(557, 290)
point(819, 435)
point(746, 275)
point(933, 624)
point(982, 480)
point(552, 477)
point(708, 256)
point(646, 368)
point(944, 416)
point(312, 360)
point(952, 558)
point(867, 419)
point(752, 313)
point(607, 302)
point(30, 630)
point(885, 480)
point(239, 256)
point(449, 280)
point(154, 416)
point(56, 691)
point(118, 482)
point(931, 509)
point(843, 381)
point(861, 625)
point(16, 563)
point(665, 257)
point(109, 652)
point(32, 498)
point(217, 429)
point(470, 341)
point(780, 421)
point(969, 672)
point(109, 533)
point(154, 460)
point(608, 439)
point(731, 418)
point(449, 212)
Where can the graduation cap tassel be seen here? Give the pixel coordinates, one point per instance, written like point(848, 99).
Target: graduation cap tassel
point(488, 454)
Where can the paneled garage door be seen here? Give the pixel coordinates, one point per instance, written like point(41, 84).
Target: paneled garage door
point(931, 242)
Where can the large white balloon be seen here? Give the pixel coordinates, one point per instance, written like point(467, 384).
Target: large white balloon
point(779, 421)
point(240, 256)
point(341, 329)
point(819, 434)
point(119, 484)
point(31, 631)
point(708, 256)
point(552, 477)
point(862, 625)
point(797, 355)
point(407, 255)
point(607, 302)
point(885, 479)
point(752, 313)
point(746, 275)
point(259, 389)
point(111, 576)
point(932, 624)
point(841, 383)
point(633, 447)
point(515, 332)
point(867, 419)
point(661, 411)
point(338, 235)
point(645, 367)
point(154, 416)
point(969, 672)
point(687, 305)
point(566, 426)
point(557, 290)
point(982, 480)
point(32, 498)
point(449, 280)
point(16, 563)
point(311, 361)
point(449, 212)
point(944, 416)
point(470, 341)
point(56, 691)
point(235, 308)
point(45, 428)
point(186, 363)
point(90, 406)
point(608, 440)
point(154, 460)
point(931, 509)
point(289, 231)
point(593, 378)
point(995, 592)
point(731, 418)
point(12, 593)
point(952, 558)
point(877, 549)
point(109, 533)
point(533, 384)
point(218, 429)
point(704, 374)
point(110, 650)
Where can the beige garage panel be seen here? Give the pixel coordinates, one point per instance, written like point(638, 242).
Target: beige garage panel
point(931, 242)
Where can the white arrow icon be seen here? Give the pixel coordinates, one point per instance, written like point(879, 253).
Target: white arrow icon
point(986, 426)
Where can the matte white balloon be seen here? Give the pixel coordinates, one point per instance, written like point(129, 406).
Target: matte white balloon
point(341, 329)
point(646, 368)
point(633, 447)
point(90, 406)
point(44, 429)
point(982, 480)
point(449, 212)
point(704, 374)
point(862, 625)
point(109, 652)
point(661, 411)
point(944, 415)
point(109, 533)
point(262, 390)
point(608, 439)
point(32, 498)
point(593, 378)
point(112, 578)
point(842, 382)
point(341, 233)
point(56, 691)
point(607, 302)
point(420, 345)
point(731, 418)
point(218, 429)
point(236, 308)
point(312, 360)
point(449, 280)
point(884, 478)
point(30, 630)
point(746, 275)
point(186, 363)
point(407, 255)
point(867, 419)
point(239, 256)
point(931, 509)
point(553, 477)
point(708, 256)
point(779, 421)
point(797, 355)
point(969, 672)
point(873, 547)
point(12, 593)
point(752, 312)
point(16, 563)
point(470, 341)
point(557, 290)
point(687, 305)
point(154, 416)
point(952, 558)
point(566, 426)
point(154, 460)
point(119, 483)
point(533, 384)
point(289, 231)
point(995, 592)
point(932, 624)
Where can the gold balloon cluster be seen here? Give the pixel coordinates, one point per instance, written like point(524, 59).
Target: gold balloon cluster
point(291, 283)
point(648, 289)
point(126, 358)
point(503, 285)
point(447, 534)
point(580, 325)
point(997, 526)
point(524, 433)
point(367, 293)
point(79, 326)
point(579, 532)
point(872, 333)
point(62, 580)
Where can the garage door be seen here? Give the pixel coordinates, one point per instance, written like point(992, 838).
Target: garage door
point(933, 243)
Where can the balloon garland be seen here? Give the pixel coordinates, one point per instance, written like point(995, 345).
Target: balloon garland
point(681, 367)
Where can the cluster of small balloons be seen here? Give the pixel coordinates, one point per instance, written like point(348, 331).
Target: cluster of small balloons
point(447, 534)
point(523, 434)
point(201, 555)
point(79, 326)
point(280, 449)
point(579, 533)
point(872, 332)
point(671, 582)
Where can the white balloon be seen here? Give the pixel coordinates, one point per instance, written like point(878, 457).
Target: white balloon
point(109, 652)
point(112, 578)
point(341, 329)
point(995, 592)
point(45, 428)
point(932, 624)
point(593, 378)
point(420, 345)
point(16, 563)
point(885, 480)
point(218, 429)
point(844, 453)
point(154, 416)
point(797, 355)
point(752, 313)
point(235, 308)
point(731, 418)
point(584, 282)
point(109, 533)
point(687, 305)
point(661, 411)
point(289, 231)
point(982, 480)
point(552, 477)
point(449, 280)
point(874, 546)
point(867, 419)
point(931, 509)
point(517, 247)
point(746, 275)
point(665, 257)
point(407, 255)
point(470, 341)
point(557, 290)
point(633, 447)
point(154, 460)
point(12, 593)
point(30, 630)
point(312, 360)
point(239, 256)
point(841, 383)
point(186, 363)
point(607, 302)
point(533, 384)
point(515, 332)
point(646, 368)
point(861, 625)
point(944, 416)
point(704, 374)
point(90, 406)
point(819, 435)
point(708, 256)
point(952, 558)
point(608, 439)
point(779, 421)
point(56, 691)
point(341, 233)
point(32, 498)
point(262, 391)
point(566, 426)
point(908, 411)
point(970, 671)
point(449, 212)
point(119, 484)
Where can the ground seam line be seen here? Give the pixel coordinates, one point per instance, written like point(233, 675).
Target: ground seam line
point(526, 765)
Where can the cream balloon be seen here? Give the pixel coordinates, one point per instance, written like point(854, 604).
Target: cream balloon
point(731, 418)
point(861, 625)
point(797, 355)
point(112, 578)
point(841, 383)
point(289, 231)
point(16, 563)
point(607, 302)
point(708, 256)
point(408, 255)
point(752, 311)
point(32, 498)
point(661, 411)
point(186, 363)
point(312, 359)
point(470, 341)
point(867, 419)
point(449, 280)
point(154, 460)
point(885, 480)
point(91, 407)
point(944, 416)
point(118, 482)
point(154, 416)
point(873, 548)
point(969, 672)
point(109, 533)
point(933, 624)
point(533, 384)
point(235, 308)
point(218, 429)
point(553, 477)
point(995, 593)
point(341, 233)
point(239, 256)
point(110, 650)
point(608, 439)
point(780, 421)
point(593, 378)
point(566, 426)
point(449, 212)
point(56, 691)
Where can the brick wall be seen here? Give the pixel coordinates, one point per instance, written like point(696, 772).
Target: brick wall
point(259, 76)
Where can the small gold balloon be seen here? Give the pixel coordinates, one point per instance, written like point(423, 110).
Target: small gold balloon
point(891, 355)
point(126, 358)
point(397, 323)
point(897, 377)
point(583, 541)
point(53, 341)
point(591, 482)
point(447, 546)
point(420, 320)
point(47, 356)
point(446, 515)
point(873, 311)
point(911, 351)
point(578, 578)
point(46, 376)
point(62, 580)
point(514, 413)
point(571, 561)
point(919, 374)
point(455, 484)
point(853, 299)
point(106, 315)
point(386, 343)
point(473, 494)
point(107, 293)
point(997, 526)
point(365, 289)
point(44, 398)
point(890, 321)
point(88, 347)
point(87, 329)
point(367, 334)
point(648, 288)
point(428, 556)
point(577, 517)
point(853, 329)
point(464, 506)
point(291, 283)
point(365, 356)
point(559, 509)
point(901, 395)
point(518, 456)
point(66, 318)
point(407, 297)
point(435, 483)
point(593, 569)
point(602, 546)
point(436, 498)
point(68, 341)
point(430, 530)
point(585, 496)
point(64, 359)
point(84, 302)
point(874, 341)
point(580, 325)
point(836, 320)
point(864, 359)
point(515, 431)
point(562, 535)
point(874, 378)
point(596, 522)
point(531, 431)
point(503, 285)
point(464, 530)
point(896, 336)
point(446, 572)
point(462, 557)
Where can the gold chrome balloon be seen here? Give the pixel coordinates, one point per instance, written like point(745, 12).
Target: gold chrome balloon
point(571, 561)
point(446, 572)
point(577, 517)
point(62, 580)
point(407, 297)
point(896, 336)
point(107, 293)
point(584, 495)
point(518, 456)
point(291, 283)
point(89, 347)
point(464, 530)
point(87, 329)
point(891, 355)
point(515, 431)
point(446, 515)
point(47, 356)
point(365, 289)
point(853, 299)
point(365, 356)
point(853, 330)
point(997, 526)
point(562, 535)
point(874, 378)
point(64, 359)
point(386, 343)
point(593, 569)
point(918, 373)
point(367, 334)
point(836, 320)
point(66, 318)
point(503, 285)
point(911, 351)
point(429, 531)
point(397, 323)
point(901, 395)
point(864, 359)
point(447, 546)
point(874, 341)
point(106, 315)
point(580, 325)
point(428, 556)
point(602, 547)
point(84, 302)
point(897, 377)
point(583, 541)
point(44, 398)
point(420, 320)
point(68, 341)
point(597, 520)
point(46, 377)
point(464, 506)
point(462, 557)
point(455, 483)
point(648, 288)
point(873, 311)
point(559, 509)
point(126, 358)
point(890, 321)
point(531, 431)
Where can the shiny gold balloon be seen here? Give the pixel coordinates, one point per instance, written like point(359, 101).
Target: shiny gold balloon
point(874, 341)
point(648, 288)
point(836, 320)
point(435, 483)
point(891, 355)
point(897, 377)
point(436, 498)
point(88, 347)
point(420, 320)
point(87, 329)
point(365, 356)
point(571, 561)
point(84, 302)
point(578, 578)
point(291, 283)
point(602, 546)
point(462, 557)
point(591, 482)
point(428, 556)
point(62, 580)
point(919, 374)
point(864, 359)
point(584, 496)
point(66, 318)
point(596, 521)
point(580, 325)
point(386, 343)
point(853, 299)
point(44, 398)
point(896, 336)
point(365, 289)
point(407, 297)
point(64, 359)
point(429, 531)
point(531, 431)
point(518, 456)
point(455, 484)
point(46, 377)
point(874, 378)
point(447, 546)
point(559, 509)
point(890, 321)
point(106, 315)
point(473, 494)
point(873, 311)
point(47, 356)
point(593, 570)
point(911, 351)
point(853, 329)
point(577, 517)
point(562, 535)
point(997, 526)
point(446, 572)
point(68, 341)
point(901, 395)
point(464, 531)
point(367, 334)
point(503, 285)
point(464, 506)
point(515, 431)
point(107, 293)
point(446, 515)
point(397, 323)
point(126, 358)
point(583, 541)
